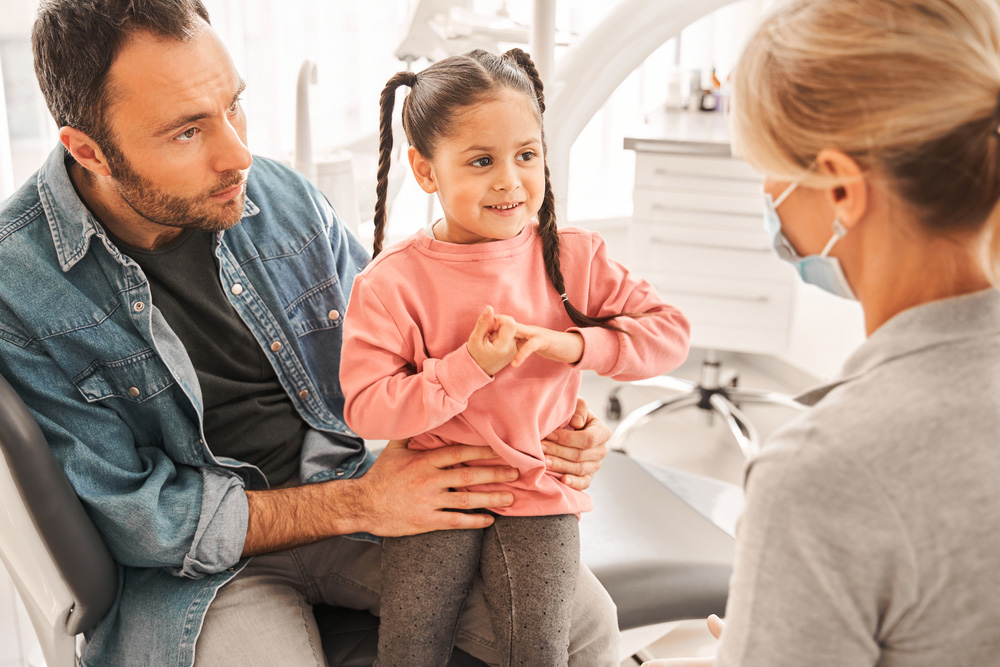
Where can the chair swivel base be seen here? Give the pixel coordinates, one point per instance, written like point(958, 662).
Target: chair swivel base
point(707, 394)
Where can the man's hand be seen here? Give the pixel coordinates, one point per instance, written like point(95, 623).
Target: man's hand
point(715, 626)
point(406, 491)
point(491, 343)
point(577, 451)
point(562, 346)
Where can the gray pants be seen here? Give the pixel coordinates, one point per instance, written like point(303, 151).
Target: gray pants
point(263, 617)
point(529, 565)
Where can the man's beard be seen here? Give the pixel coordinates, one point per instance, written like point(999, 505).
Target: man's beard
point(162, 208)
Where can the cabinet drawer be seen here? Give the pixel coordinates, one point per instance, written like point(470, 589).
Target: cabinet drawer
point(645, 213)
point(658, 170)
point(656, 204)
point(721, 301)
point(705, 252)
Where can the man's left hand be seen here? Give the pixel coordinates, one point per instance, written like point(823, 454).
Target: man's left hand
point(578, 450)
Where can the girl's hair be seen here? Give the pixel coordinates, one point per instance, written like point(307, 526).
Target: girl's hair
point(437, 97)
point(909, 88)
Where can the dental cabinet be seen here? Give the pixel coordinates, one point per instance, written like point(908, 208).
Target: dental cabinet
point(697, 235)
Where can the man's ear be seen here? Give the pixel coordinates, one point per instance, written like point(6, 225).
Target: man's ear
point(84, 150)
point(422, 170)
point(849, 200)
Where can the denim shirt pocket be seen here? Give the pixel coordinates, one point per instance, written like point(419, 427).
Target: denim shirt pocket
point(320, 308)
point(137, 378)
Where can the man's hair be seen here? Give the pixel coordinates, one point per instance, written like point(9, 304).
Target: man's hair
point(75, 43)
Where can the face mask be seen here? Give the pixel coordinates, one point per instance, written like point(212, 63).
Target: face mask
point(819, 270)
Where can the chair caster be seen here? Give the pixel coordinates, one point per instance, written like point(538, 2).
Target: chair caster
point(614, 408)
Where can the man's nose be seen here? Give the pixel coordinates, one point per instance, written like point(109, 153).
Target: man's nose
point(231, 152)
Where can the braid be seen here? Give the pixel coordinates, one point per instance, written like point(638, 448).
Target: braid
point(386, 103)
point(547, 227)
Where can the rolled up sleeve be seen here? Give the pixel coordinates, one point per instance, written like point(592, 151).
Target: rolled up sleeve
point(222, 525)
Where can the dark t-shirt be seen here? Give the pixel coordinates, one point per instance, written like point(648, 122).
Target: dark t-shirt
point(248, 415)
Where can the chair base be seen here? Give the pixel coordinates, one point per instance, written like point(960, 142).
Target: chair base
point(707, 394)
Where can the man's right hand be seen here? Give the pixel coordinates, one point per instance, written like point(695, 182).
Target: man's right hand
point(406, 491)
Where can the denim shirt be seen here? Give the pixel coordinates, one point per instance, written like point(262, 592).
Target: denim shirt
point(117, 397)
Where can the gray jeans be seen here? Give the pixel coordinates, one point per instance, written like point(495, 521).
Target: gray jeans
point(263, 617)
point(529, 566)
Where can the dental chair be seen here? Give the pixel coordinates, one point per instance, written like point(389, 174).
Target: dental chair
point(659, 558)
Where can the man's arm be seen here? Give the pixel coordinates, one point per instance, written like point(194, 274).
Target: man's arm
point(405, 492)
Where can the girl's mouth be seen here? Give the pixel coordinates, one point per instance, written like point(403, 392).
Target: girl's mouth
point(505, 207)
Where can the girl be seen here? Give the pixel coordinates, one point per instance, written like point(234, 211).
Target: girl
point(475, 132)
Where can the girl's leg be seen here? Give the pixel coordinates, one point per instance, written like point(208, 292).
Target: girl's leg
point(425, 581)
point(530, 567)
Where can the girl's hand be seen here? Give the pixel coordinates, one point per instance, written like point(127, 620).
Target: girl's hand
point(564, 346)
point(491, 343)
point(715, 626)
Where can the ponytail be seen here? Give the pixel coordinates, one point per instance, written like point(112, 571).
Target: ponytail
point(386, 103)
point(547, 227)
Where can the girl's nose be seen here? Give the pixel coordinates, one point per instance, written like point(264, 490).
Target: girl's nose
point(506, 178)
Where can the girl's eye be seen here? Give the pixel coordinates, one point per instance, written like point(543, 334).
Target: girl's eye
point(527, 156)
point(187, 135)
point(482, 162)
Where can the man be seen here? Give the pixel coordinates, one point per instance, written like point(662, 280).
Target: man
point(171, 315)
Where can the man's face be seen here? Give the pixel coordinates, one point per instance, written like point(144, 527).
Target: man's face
point(179, 156)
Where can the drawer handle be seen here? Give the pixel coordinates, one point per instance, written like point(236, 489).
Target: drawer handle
point(760, 298)
point(713, 246)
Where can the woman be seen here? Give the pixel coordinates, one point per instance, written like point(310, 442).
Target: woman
point(871, 533)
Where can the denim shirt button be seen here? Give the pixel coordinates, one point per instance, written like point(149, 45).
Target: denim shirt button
point(334, 315)
point(236, 289)
point(230, 569)
point(304, 394)
point(276, 346)
point(138, 306)
point(133, 392)
point(338, 472)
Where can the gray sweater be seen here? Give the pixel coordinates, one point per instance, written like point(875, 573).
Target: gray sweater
point(871, 534)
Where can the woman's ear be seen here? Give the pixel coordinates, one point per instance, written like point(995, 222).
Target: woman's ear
point(849, 200)
point(84, 150)
point(422, 170)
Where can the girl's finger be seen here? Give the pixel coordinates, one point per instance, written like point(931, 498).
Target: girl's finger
point(483, 323)
point(525, 351)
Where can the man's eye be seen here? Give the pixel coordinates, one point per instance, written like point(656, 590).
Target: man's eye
point(188, 135)
point(234, 107)
point(482, 162)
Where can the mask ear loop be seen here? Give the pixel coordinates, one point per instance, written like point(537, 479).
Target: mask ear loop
point(839, 232)
point(784, 195)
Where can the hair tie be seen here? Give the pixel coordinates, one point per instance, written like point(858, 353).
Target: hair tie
point(411, 79)
point(564, 297)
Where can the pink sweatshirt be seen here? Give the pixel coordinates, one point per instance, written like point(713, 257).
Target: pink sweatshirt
point(407, 372)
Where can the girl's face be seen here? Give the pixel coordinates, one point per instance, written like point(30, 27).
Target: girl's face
point(489, 173)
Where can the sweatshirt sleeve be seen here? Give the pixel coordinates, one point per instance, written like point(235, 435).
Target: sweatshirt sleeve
point(386, 396)
point(657, 337)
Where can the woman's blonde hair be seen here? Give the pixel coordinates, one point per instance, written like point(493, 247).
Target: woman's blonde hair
point(910, 88)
